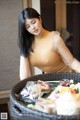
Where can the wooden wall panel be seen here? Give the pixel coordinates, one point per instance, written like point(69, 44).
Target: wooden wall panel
point(48, 13)
point(9, 52)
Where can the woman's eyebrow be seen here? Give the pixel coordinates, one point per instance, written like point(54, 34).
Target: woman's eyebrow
point(33, 20)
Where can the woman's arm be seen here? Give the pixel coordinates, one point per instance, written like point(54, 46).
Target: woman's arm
point(25, 69)
point(66, 54)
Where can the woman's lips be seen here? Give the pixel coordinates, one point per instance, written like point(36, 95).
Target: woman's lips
point(35, 31)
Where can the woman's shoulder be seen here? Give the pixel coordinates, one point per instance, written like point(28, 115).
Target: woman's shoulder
point(55, 33)
point(56, 38)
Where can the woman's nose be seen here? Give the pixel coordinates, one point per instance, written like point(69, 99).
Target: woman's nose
point(32, 27)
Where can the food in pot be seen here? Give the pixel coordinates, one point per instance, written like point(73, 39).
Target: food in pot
point(62, 100)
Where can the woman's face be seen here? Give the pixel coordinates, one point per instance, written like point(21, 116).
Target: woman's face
point(33, 26)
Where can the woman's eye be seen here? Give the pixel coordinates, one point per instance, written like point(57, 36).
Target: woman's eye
point(33, 22)
point(27, 27)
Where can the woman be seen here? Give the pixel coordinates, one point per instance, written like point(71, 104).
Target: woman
point(42, 48)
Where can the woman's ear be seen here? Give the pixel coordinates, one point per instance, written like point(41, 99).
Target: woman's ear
point(40, 19)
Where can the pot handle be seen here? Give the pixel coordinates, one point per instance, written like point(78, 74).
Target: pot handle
point(17, 110)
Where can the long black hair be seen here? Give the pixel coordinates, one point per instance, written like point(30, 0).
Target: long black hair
point(25, 39)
